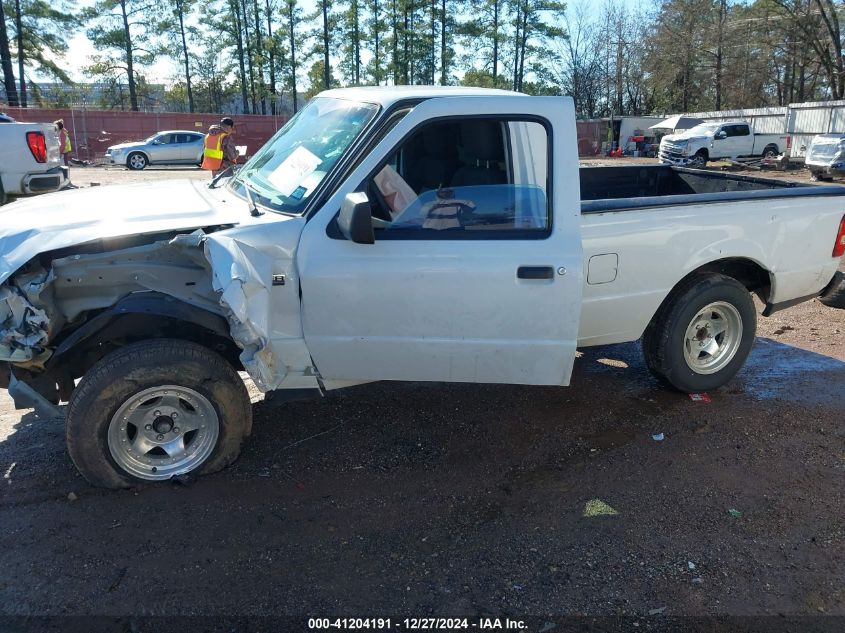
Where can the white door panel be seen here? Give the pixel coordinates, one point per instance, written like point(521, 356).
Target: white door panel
point(449, 309)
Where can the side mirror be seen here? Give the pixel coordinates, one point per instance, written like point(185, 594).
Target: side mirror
point(721, 134)
point(356, 219)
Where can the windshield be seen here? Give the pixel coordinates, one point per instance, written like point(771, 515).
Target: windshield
point(704, 128)
point(287, 170)
point(825, 147)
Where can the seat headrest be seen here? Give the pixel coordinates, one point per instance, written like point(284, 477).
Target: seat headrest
point(482, 140)
point(439, 141)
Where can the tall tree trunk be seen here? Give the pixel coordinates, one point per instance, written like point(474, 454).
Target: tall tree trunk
point(272, 52)
point(443, 60)
point(292, 35)
point(327, 69)
point(433, 53)
point(620, 100)
point(19, 27)
point(720, 42)
point(239, 43)
point(180, 8)
point(130, 66)
point(405, 50)
point(259, 57)
point(395, 51)
point(356, 42)
point(6, 62)
point(249, 66)
point(523, 45)
point(495, 40)
point(376, 58)
point(516, 46)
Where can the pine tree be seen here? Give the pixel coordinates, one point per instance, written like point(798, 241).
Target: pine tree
point(118, 27)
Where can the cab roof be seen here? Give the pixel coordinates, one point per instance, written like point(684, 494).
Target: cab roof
point(388, 95)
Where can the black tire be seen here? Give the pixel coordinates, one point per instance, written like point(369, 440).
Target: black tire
point(834, 296)
point(119, 376)
point(699, 161)
point(137, 161)
point(770, 151)
point(664, 341)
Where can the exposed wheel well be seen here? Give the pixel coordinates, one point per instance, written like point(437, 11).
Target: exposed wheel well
point(702, 152)
point(138, 151)
point(750, 274)
point(77, 354)
point(131, 328)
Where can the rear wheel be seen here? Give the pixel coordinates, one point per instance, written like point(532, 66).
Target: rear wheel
point(702, 335)
point(136, 161)
point(771, 151)
point(155, 410)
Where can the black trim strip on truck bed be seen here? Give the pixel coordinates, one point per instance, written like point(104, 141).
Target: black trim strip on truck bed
point(624, 204)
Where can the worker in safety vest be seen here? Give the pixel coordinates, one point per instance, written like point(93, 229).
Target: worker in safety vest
point(219, 151)
point(64, 141)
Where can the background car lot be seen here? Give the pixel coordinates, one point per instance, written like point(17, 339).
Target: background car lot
point(460, 499)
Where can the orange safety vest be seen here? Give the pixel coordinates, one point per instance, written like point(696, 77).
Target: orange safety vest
point(212, 153)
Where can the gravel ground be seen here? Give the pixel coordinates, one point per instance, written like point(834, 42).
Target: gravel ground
point(444, 499)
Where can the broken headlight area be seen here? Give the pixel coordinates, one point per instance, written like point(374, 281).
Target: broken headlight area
point(24, 327)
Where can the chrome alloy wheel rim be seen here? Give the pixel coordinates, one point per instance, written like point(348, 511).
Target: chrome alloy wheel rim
point(137, 161)
point(163, 431)
point(712, 338)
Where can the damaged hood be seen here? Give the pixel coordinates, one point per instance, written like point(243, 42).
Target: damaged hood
point(36, 225)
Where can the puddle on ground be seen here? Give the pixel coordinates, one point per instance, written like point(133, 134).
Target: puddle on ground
point(778, 371)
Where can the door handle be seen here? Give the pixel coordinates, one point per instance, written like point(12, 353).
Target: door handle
point(535, 272)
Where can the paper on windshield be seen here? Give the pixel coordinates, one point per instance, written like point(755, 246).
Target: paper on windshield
point(289, 174)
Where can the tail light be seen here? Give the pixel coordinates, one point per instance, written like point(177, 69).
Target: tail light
point(788, 142)
point(839, 246)
point(37, 145)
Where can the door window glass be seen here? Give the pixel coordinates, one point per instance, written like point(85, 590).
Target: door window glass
point(464, 176)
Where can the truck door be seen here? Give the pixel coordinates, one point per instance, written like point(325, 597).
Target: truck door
point(737, 142)
point(475, 272)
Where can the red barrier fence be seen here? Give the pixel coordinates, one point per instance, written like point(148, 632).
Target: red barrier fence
point(92, 131)
point(591, 134)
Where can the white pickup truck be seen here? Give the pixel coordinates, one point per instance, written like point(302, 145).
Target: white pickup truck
point(30, 161)
point(426, 234)
point(719, 140)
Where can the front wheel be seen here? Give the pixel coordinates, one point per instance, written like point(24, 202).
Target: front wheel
point(136, 161)
point(155, 410)
point(699, 161)
point(702, 335)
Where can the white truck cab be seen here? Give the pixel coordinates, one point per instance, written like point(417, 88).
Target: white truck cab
point(719, 140)
point(417, 234)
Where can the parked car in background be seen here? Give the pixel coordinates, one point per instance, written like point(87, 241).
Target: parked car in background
point(172, 147)
point(5, 118)
point(717, 140)
point(826, 156)
point(30, 161)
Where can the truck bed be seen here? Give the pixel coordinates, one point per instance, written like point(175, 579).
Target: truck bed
point(606, 189)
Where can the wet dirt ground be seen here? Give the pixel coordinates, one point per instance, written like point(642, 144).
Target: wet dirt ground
point(442, 499)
